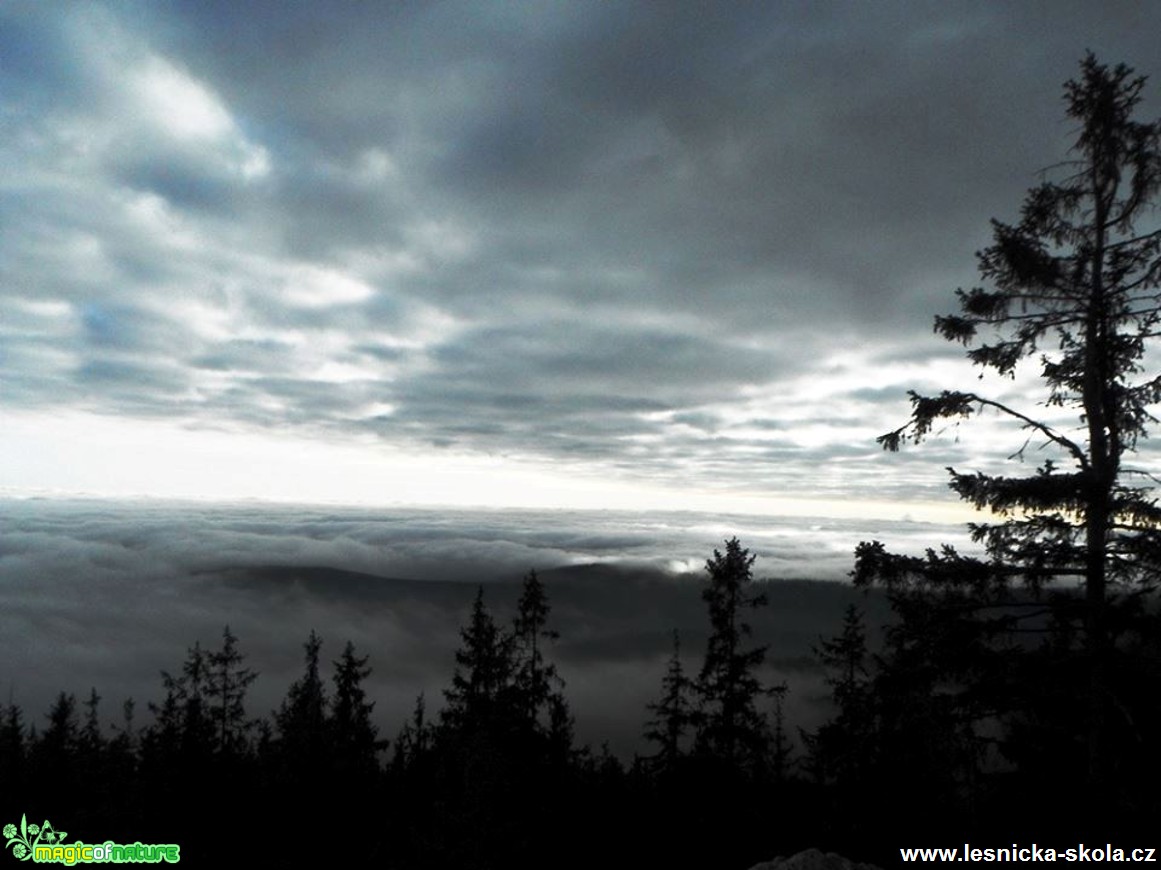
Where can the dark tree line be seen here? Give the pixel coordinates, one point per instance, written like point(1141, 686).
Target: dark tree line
point(494, 779)
point(923, 744)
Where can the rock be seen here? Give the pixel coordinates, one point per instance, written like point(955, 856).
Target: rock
point(813, 859)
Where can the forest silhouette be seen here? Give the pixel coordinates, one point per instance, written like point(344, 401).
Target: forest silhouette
point(1013, 698)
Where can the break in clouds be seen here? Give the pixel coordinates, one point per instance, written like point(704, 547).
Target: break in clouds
point(106, 594)
point(697, 245)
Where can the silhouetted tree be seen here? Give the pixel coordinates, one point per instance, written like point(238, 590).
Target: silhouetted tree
point(126, 731)
point(483, 675)
point(504, 742)
point(411, 744)
point(123, 746)
point(92, 748)
point(843, 749)
point(1074, 284)
point(55, 752)
point(91, 739)
point(226, 686)
point(354, 735)
point(13, 745)
point(672, 713)
point(177, 747)
point(730, 726)
point(181, 722)
point(302, 718)
point(480, 751)
point(60, 739)
point(561, 731)
point(534, 680)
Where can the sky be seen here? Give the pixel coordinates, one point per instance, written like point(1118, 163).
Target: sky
point(578, 255)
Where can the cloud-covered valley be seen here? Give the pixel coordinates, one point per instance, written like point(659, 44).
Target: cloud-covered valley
point(107, 594)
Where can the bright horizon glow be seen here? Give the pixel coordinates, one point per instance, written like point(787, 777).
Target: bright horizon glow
point(76, 454)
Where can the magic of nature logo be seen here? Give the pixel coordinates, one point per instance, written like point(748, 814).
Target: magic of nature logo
point(44, 844)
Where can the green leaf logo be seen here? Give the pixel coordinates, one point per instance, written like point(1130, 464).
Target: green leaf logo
point(22, 841)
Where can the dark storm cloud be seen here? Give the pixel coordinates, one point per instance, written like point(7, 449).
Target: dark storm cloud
point(578, 385)
point(623, 233)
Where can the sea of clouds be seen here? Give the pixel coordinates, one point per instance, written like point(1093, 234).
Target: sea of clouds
point(106, 594)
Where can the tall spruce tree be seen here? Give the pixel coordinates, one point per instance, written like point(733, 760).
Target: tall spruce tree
point(411, 744)
point(842, 750)
point(91, 741)
point(354, 735)
point(55, 752)
point(226, 686)
point(730, 726)
point(535, 680)
point(61, 738)
point(672, 712)
point(1073, 285)
point(482, 683)
point(123, 746)
point(182, 721)
point(302, 718)
point(480, 751)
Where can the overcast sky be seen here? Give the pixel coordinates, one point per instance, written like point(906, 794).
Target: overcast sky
point(581, 254)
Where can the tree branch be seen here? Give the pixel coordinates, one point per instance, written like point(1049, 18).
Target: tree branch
point(956, 404)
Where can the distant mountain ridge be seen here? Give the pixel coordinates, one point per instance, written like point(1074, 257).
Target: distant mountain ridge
point(601, 610)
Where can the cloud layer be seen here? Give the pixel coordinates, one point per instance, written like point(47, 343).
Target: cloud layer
point(697, 245)
point(106, 594)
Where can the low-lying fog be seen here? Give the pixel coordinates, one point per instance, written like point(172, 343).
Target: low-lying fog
point(109, 593)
